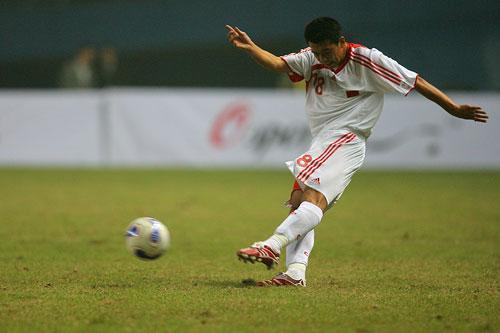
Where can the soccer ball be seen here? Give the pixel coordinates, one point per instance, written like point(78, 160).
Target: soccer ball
point(147, 238)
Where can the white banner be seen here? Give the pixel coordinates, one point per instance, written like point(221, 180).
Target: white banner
point(206, 128)
point(413, 132)
point(226, 128)
point(43, 128)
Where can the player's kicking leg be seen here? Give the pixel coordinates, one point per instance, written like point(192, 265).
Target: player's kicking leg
point(297, 257)
point(298, 248)
point(259, 252)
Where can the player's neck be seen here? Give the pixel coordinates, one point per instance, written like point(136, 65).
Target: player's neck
point(342, 55)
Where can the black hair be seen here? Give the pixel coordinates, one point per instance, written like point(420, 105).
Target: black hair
point(323, 29)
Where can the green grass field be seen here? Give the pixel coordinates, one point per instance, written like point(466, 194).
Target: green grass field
point(400, 252)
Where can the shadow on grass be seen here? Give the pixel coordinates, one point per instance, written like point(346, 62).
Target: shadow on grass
point(227, 284)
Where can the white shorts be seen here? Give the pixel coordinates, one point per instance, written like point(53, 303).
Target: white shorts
point(330, 162)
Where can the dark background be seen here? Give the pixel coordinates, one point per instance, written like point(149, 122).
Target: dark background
point(454, 44)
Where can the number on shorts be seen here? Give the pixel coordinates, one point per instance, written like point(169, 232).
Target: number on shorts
point(304, 160)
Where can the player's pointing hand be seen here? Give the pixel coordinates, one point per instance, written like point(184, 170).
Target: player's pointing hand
point(238, 38)
point(471, 112)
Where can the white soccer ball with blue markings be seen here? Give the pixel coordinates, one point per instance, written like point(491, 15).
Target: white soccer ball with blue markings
point(147, 238)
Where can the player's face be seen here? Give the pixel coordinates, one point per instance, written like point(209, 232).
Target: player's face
point(329, 53)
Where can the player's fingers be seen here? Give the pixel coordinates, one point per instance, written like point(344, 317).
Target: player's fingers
point(241, 33)
point(228, 27)
point(234, 41)
point(481, 112)
point(231, 36)
point(481, 117)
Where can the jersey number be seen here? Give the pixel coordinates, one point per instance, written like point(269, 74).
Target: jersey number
point(318, 83)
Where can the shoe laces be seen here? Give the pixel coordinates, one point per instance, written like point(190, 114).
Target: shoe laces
point(258, 245)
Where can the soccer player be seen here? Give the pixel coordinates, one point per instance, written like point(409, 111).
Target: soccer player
point(345, 86)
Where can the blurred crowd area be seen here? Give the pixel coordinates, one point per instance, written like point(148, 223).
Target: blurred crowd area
point(102, 43)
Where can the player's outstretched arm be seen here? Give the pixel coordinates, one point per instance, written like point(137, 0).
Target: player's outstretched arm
point(266, 59)
point(463, 111)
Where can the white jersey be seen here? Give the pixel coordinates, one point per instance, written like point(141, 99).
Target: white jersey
point(351, 96)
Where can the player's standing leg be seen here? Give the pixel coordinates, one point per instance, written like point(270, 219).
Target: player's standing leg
point(297, 258)
point(297, 253)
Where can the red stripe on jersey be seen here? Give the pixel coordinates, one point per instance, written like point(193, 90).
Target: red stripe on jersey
point(327, 153)
point(414, 86)
point(390, 78)
point(355, 45)
point(377, 65)
point(380, 67)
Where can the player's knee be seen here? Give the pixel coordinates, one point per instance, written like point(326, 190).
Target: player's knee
point(295, 199)
point(316, 198)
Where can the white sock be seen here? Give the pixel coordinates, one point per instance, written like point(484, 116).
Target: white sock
point(295, 226)
point(276, 242)
point(297, 271)
point(300, 222)
point(299, 251)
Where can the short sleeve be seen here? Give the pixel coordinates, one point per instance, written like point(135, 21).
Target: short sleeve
point(299, 64)
point(383, 74)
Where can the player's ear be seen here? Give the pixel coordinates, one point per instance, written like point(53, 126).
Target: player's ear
point(341, 42)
